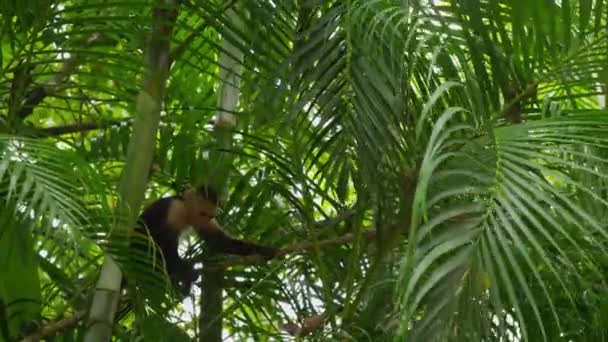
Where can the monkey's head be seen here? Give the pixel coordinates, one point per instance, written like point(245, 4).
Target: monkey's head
point(201, 207)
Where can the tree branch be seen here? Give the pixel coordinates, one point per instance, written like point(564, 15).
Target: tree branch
point(35, 96)
point(55, 327)
point(80, 127)
point(347, 238)
point(294, 249)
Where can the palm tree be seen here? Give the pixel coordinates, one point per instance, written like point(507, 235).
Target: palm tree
point(434, 170)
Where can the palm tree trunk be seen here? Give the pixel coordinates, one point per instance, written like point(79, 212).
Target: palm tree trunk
point(139, 159)
point(230, 61)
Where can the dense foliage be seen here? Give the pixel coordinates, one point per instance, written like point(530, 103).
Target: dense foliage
point(437, 169)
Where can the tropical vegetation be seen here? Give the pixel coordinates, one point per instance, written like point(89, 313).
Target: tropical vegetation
point(434, 170)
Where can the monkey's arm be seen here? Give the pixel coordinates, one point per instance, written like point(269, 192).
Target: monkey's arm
point(218, 240)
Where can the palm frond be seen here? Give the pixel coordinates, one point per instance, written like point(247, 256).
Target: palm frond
point(505, 232)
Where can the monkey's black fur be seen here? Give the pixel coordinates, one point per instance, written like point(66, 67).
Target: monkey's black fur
point(165, 220)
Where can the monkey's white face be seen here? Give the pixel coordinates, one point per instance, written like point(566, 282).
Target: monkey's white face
point(201, 212)
point(193, 211)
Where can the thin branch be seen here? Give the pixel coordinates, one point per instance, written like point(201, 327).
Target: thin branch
point(81, 127)
point(298, 248)
point(55, 327)
point(347, 238)
point(38, 94)
point(513, 101)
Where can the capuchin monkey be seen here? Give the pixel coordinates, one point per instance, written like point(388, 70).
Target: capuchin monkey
point(169, 217)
